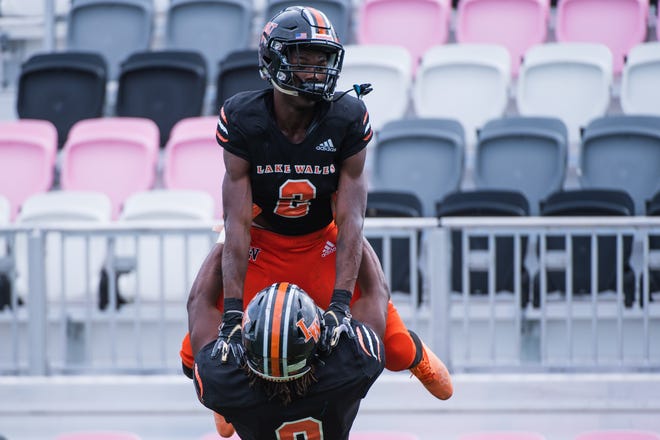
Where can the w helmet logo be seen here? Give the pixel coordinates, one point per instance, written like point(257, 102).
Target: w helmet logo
point(311, 332)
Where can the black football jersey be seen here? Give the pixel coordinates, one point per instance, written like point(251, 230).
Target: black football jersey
point(328, 409)
point(293, 184)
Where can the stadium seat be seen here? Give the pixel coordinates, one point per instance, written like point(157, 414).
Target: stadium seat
point(65, 207)
point(569, 81)
point(113, 28)
point(618, 434)
point(216, 436)
point(618, 24)
point(387, 69)
point(161, 205)
point(164, 86)
point(226, 25)
point(468, 82)
point(589, 202)
point(63, 88)
point(193, 159)
point(516, 25)
point(27, 160)
point(526, 154)
point(639, 92)
point(5, 210)
point(414, 24)
point(32, 7)
point(424, 156)
point(72, 266)
point(633, 169)
point(238, 72)
point(98, 435)
point(382, 435)
point(144, 277)
point(6, 261)
point(394, 204)
point(116, 156)
point(339, 12)
point(486, 203)
point(502, 435)
point(653, 208)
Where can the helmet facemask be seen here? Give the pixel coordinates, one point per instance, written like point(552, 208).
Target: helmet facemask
point(290, 35)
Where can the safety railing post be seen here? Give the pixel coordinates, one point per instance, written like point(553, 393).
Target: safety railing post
point(439, 265)
point(37, 309)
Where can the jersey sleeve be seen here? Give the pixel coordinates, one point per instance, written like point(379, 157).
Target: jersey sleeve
point(228, 135)
point(359, 133)
point(371, 349)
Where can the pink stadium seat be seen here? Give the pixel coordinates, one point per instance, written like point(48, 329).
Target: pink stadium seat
point(193, 159)
point(27, 159)
point(414, 24)
point(618, 434)
point(502, 435)
point(116, 156)
point(514, 24)
point(216, 436)
point(618, 24)
point(382, 435)
point(98, 435)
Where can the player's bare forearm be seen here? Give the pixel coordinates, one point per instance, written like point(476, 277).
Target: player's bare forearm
point(350, 208)
point(371, 306)
point(237, 206)
point(203, 316)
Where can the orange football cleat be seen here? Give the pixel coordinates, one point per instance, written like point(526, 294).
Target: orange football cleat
point(224, 428)
point(433, 374)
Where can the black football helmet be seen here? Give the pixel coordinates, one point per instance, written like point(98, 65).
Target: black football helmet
point(292, 29)
point(281, 332)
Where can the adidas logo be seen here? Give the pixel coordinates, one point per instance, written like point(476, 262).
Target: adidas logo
point(328, 249)
point(326, 145)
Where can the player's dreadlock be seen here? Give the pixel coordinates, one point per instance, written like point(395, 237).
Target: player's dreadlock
point(286, 392)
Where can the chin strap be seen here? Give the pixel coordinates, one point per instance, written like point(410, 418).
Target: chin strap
point(359, 89)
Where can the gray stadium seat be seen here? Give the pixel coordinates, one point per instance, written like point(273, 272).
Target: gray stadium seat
point(114, 28)
point(339, 13)
point(238, 72)
point(622, 152)
point(164, 86)
point(63, 88)
point(423, 156)
point(212, 27)
point(526, 154)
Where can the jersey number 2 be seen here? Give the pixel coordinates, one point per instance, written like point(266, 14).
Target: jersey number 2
point(303, 429)
point(294, 198)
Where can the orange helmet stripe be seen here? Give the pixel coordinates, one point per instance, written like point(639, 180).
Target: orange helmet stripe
point(275, 342)
point(320, 20)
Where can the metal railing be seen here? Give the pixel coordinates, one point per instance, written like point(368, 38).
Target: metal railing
point(111, 299)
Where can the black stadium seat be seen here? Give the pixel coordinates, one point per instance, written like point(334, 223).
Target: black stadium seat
point(164, 86)
point(590, 202)
point(395, 204)
point(487, 203)
point(653, 208)
point(238, 72)
point(63, 88)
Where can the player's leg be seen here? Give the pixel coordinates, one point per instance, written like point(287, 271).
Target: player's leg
point(404, 350)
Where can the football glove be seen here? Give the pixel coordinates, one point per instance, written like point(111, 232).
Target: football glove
point(336, 319)
point(230, 334)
